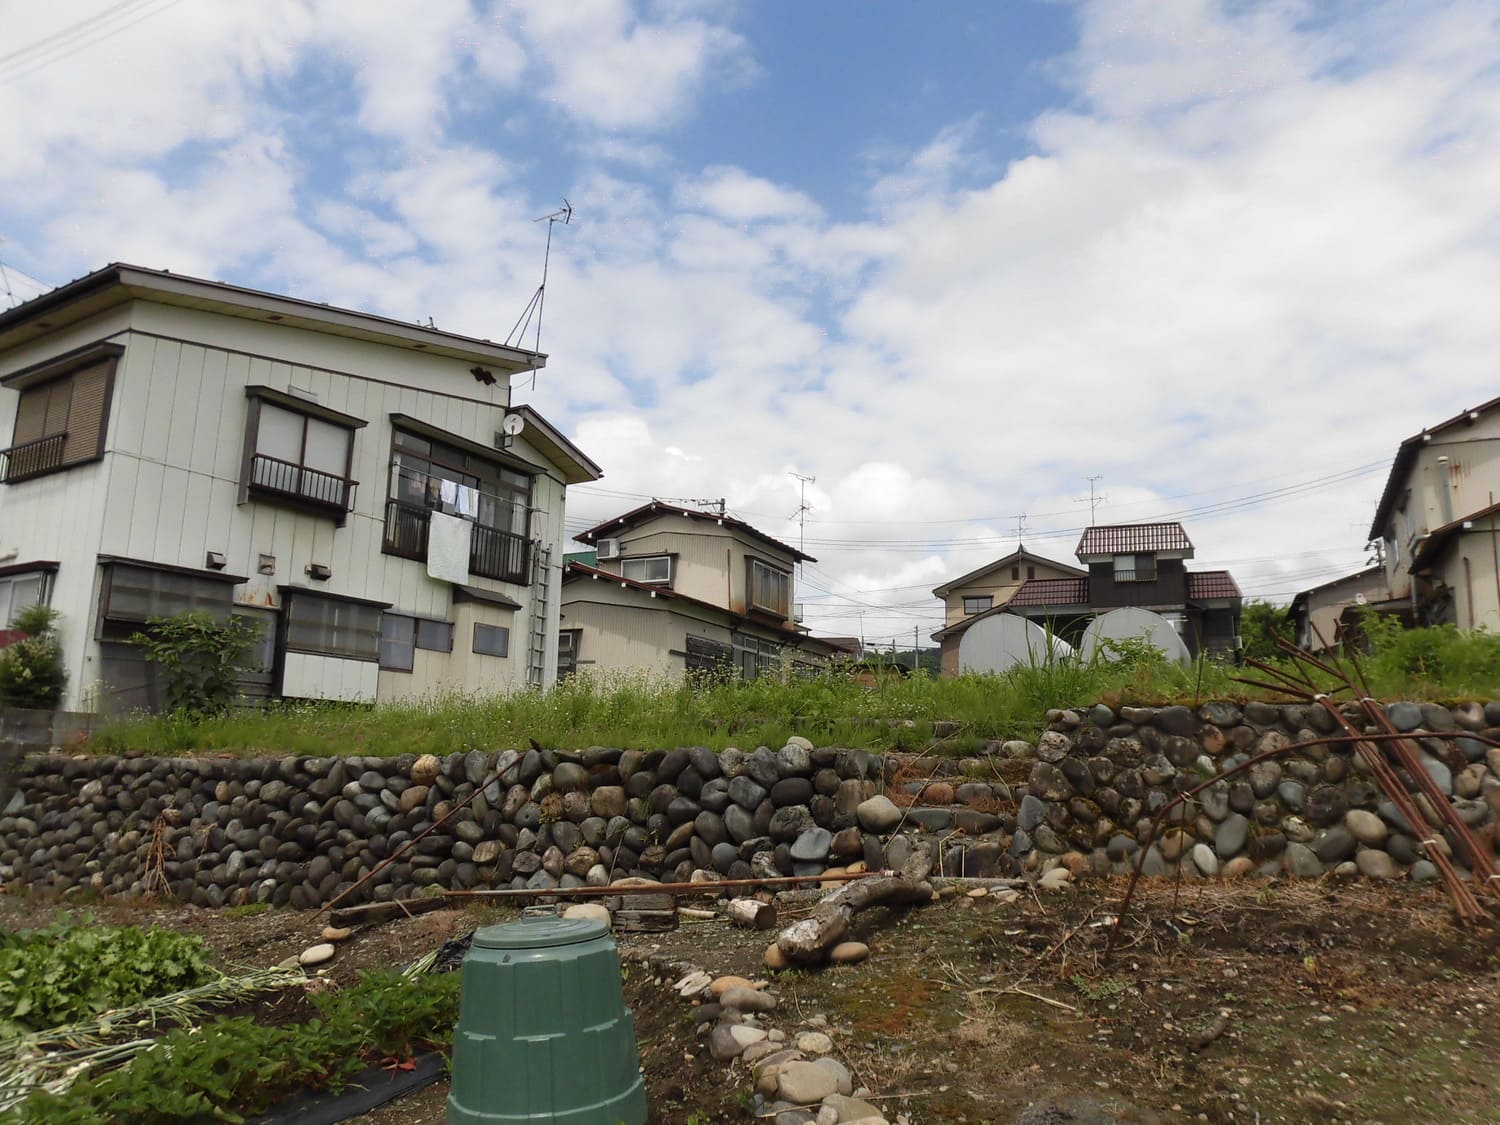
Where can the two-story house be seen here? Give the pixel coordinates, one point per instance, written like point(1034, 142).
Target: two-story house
point(361, 488)
point(1142, 565)
point(967, 597)
point(673, 590)
point(1438, 520)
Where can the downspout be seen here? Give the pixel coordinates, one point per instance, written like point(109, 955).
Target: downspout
point(1445, 495)
point(1469, 590)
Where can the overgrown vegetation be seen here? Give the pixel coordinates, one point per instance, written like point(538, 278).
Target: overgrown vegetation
point(62, 972)
point(200, 659)
point(32, 674)
point(230, 1067)
point(830, 709)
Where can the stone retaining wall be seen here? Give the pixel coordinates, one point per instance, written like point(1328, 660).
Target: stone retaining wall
point(299, 831)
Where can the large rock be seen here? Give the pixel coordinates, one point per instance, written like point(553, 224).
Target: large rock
point(879, 814)
point(1229, 841)
point(1366, 827)
point(805, 1083)
point(812, 845)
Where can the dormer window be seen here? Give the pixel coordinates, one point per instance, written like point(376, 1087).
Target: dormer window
point(654, 569)
point(1135, 568)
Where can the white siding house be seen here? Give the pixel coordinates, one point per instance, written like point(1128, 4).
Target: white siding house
point(348, 482)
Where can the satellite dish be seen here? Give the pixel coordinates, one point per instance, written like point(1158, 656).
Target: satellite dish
point(512, 424)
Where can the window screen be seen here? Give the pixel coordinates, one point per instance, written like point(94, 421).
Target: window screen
point(328, 627)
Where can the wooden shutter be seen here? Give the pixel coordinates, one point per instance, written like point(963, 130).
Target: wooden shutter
point(85, 424)
point(31, 415)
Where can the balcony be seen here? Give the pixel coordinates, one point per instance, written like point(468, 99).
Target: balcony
point(270, 476)
point(493, 553)
point(32, 458)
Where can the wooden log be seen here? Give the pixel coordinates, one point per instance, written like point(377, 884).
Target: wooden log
point(752, 914)
point(384, 911)
point(808, 940)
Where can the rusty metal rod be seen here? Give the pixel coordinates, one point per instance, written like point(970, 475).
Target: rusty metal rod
point(661, 888)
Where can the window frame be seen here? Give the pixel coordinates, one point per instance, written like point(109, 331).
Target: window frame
point(11, 577)
point(782, 612)
point(987, 599)
point(482, 628)
point(567, 662)
point(48, 376)
point(667, 559)
point(294, 597)
point(1142, 567)
point(250, 489)
point(112, 623)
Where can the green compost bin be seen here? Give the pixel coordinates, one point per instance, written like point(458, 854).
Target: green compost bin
point(543, 1033)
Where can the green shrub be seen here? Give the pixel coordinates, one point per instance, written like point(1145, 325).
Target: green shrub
point(31, 669)
point(200, 658)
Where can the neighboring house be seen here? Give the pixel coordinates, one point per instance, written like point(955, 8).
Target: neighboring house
point(981, 590)
point(362, 488)
point(1140, 565)
point(1437, 521)
point(1318, 614)
point(677, 590)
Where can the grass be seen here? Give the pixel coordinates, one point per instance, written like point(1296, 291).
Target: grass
point(829, 709)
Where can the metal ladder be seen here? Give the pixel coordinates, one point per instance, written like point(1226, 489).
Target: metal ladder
point(536, 656)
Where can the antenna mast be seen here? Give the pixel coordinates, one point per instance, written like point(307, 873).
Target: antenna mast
point(563, 214)
point(1093, 500)
point(803, 507)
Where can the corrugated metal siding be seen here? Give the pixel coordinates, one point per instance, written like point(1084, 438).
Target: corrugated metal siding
point(1169, 588)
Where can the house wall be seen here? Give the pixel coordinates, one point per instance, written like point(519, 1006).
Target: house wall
point(710, 560)
point(627, 631)
point(168, 488)
point(1169, 588)
point(999, 585)
point(1440, 494)
point(1326, 605)
point(1471, 571)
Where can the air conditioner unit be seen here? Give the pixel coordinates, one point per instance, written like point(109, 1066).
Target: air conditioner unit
point(609, 548)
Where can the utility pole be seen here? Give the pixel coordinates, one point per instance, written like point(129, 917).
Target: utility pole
point(915, 633)
point(1094, 500)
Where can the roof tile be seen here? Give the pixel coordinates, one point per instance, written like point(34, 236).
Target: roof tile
point(1128, 538)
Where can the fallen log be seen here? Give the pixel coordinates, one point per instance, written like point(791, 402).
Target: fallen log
point(808, 940)
point(752, 914)
point(373, 912)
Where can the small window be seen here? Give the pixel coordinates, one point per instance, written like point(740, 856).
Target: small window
point(656, 569)
point(770, 589)
point(491, 640)
point(978, 605)
point(1030, 573)
point(568, 643)
point(299, 456)
point(61, 422)
point(132, 595)
point(1135, 568)
point(1015, 574)
point(397, 642)
point(434, 636)
point(18, 592)
point(325, 626)
point(707, 655)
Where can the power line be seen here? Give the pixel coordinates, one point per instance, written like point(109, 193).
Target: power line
point(77, 37)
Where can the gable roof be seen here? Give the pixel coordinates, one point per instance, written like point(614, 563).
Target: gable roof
point(119, 282)
point(1406, 453)
point(655, 508)
point(1020, 554)
point(1130, 538)
point(1211, 585)
point(1301, 598)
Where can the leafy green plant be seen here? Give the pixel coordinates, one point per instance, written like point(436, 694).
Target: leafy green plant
point(231, 1067)
point(1106, 988)
point(65, 972)
point(200, 658)
point(32, 674)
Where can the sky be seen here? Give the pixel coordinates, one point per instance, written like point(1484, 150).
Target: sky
point(955, 262)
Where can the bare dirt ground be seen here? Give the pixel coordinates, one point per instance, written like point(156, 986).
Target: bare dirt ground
point(1254, 1003)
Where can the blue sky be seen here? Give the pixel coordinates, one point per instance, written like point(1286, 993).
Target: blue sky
point(949, 259)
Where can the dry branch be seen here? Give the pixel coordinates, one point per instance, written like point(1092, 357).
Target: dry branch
point(808, 940)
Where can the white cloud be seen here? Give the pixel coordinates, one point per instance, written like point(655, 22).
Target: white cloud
point(735, 195)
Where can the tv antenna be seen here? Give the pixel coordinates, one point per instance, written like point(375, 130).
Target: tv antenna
point(564, 215)
point(1020, 529)
point(1094, 499)
point(803, 507)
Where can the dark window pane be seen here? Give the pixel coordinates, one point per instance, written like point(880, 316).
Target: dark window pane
point(435, 636)
point(396, 648)
point(491, 640)
point(328, 627)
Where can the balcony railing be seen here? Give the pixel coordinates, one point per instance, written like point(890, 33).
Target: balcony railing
point(492, 553)
point(287, 478)
point(32, 458)
point(499, 554)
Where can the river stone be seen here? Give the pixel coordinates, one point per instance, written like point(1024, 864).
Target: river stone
point(739, 823)
point(1032, 812)
point(1366, 827)
point(791, 791)
point(1297, 830)
point(1049, 783)
point(1292, 794)
point(1220, 714)
point(789, 823)
point(1215, 800)
point(1264, 778)
point(805, 1083)
point(1424, 871)
point(1302, 862)
point(1204, 859)
point(812, 845)
point(1053, 746)
point(1439, 773)
point(1230, 838)
point(315, 955)
point(794, 759)
point(746, 792)
point(1326, 805)
point(1404, 716)
point(1375, 864)
point(879, 814)
point(1334, 845)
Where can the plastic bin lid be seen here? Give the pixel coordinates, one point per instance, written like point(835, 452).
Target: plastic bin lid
point(537, 933)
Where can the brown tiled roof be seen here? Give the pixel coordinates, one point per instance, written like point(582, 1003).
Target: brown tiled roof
point(654, 508)
point(1051, 591)
point(1128, 538)
point(1206, 585)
